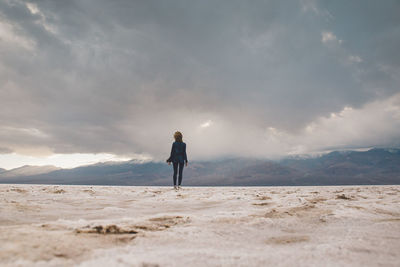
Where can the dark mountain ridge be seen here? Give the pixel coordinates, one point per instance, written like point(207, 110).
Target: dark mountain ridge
point(375, 166)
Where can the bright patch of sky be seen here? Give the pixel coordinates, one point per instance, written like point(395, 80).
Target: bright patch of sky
point(13, 160)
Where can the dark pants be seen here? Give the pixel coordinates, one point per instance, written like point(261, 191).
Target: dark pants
point(180, 171)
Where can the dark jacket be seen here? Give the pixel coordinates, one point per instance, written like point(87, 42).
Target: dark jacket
point(178, 153)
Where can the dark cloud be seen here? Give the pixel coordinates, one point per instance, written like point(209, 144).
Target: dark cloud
point(121, 76)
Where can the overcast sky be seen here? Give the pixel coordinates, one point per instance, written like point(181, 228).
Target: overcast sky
point(237, 78)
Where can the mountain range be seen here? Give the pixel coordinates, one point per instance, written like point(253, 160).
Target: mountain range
point(375, 166)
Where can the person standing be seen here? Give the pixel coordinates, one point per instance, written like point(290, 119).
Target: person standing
point(178, 158)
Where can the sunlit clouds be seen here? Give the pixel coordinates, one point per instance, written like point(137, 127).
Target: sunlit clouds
point(13, 160)
point(206, 124)
point(329, 37)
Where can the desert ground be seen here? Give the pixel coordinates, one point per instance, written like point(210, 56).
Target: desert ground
point(46, 225)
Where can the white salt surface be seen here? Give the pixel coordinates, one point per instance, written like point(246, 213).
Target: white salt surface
point(46, 225)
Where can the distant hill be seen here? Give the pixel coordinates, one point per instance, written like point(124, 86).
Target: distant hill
point(375, 166)
point(28, 170)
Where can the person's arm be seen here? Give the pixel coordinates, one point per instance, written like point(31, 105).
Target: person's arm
point(170, 156)
point(184, 154)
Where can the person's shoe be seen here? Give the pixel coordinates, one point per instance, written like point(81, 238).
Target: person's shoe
point(179, 187)
point(175, 187)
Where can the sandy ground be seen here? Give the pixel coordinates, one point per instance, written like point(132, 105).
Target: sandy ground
point(43, 225)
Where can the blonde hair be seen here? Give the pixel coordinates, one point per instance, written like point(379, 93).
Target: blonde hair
point(178, 136)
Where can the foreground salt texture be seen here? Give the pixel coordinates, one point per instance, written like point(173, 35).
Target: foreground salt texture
point(44, 225)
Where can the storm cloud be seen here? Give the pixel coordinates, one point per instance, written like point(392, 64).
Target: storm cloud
point(258, 78)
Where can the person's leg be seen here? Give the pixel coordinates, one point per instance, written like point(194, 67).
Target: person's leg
point(180, 172)
point(175, 164)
